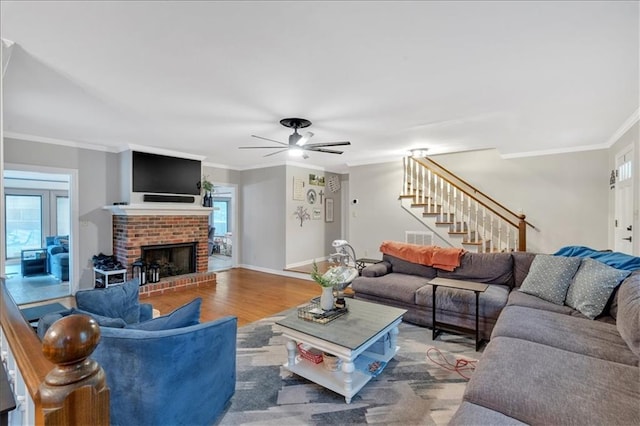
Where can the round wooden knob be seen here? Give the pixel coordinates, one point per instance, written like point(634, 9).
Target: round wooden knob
point(71, 339)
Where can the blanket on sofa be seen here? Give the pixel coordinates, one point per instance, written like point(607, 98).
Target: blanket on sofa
point(447, 259)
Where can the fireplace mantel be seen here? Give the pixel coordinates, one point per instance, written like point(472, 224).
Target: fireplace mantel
point(160, 209)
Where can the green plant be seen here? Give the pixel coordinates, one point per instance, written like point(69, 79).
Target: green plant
point(320, 279)
point(206, 184)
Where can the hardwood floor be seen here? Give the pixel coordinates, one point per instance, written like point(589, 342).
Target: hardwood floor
point(247, 294)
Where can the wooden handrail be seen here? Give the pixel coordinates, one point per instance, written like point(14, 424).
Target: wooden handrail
point(472, 188)
point(66, 387)
point(26, 348)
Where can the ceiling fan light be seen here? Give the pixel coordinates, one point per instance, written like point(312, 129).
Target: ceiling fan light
point(296, 152)
point(304, 139)
point(419, 152)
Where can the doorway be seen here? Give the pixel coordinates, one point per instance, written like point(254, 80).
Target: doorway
point(623, 223)
point(37, 252)
point(223, 220)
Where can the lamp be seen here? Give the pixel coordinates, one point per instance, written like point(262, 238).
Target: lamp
point(343, 274)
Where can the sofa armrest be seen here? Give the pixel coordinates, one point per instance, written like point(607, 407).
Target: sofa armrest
point(377, 269)
point(146, 312)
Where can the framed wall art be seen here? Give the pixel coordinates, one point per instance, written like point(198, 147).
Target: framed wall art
point(328, 210)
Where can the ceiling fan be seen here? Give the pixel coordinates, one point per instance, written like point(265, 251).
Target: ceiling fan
point(298, 143)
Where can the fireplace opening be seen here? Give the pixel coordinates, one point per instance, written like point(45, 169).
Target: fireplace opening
point(172, 259)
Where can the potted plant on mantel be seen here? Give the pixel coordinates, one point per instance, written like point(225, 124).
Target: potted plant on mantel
point(207, 187)
point(327, 284)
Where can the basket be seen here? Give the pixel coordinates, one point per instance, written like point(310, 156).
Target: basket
point(310, 353)
point(331, 362)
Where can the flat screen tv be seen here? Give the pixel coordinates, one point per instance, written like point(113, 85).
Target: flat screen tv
point(165, 175)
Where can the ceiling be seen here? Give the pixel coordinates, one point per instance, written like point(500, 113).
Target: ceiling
point(201, 77)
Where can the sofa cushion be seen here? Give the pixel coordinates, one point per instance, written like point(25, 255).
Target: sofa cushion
point(400, 266)
point(464, 301)
point(518, 298)
point(628, 322)
point(184, 316)
point(376, 270)
point(550, 276)
point(539, 384)
point(472, 414)
point(394, 286)
point(521, 263)
point(493, 268)
point(578, 335)
point(592, 286)
point(118, 301)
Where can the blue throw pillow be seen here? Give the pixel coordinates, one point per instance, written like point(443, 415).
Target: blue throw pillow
point(592, 286)
point(118, 301)
point(184, 316)
point(550, 276)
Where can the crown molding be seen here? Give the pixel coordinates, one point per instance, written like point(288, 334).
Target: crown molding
point(629, 122)
point(55, 141)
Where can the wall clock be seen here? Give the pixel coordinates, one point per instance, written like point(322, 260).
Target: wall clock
point(311, 196)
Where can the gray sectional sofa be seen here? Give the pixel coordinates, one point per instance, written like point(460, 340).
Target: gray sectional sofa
point(405, 285)
point(547, 363)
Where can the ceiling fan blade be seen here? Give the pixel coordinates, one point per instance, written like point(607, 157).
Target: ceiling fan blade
point(328, 151)
point(277, 152)
point(319, 145)
point(259, 147)
point(270, 140)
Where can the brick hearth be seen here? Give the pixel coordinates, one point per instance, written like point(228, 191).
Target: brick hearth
point(131, 232)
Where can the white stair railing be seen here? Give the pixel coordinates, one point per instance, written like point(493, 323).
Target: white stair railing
point(486, 224)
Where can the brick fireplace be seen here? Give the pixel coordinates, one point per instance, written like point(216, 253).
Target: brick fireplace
point(135, 227)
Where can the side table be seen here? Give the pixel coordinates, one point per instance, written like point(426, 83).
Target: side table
point(477, 288)
point(103, 279)
point(33, 261)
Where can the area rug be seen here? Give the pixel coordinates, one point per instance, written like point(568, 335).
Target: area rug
point(411, 390)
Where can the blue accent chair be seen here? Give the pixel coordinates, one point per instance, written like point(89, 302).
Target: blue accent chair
point(58, 256)
point(170, 370)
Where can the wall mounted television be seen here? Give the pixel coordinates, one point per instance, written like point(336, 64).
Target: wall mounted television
point(162, 174)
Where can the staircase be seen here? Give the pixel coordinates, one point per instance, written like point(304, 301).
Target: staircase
point(457, 212)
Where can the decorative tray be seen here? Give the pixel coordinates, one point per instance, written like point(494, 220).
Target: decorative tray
point(312, 312)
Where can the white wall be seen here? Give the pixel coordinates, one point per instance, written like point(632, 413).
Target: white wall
point(378, 215)
point(262, 216)
point(564, 196)
point(312, 240)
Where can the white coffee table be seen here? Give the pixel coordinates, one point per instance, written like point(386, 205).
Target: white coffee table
point(347, 337)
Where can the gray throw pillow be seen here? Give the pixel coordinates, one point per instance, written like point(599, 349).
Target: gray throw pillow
point(592, 287)
point(549, 277)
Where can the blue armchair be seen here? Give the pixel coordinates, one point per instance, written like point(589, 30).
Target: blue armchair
point(58, 256)
point(169, 377)
point(168, 370)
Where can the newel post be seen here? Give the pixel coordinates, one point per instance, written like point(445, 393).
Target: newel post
point(75, 392)
point(522, 233)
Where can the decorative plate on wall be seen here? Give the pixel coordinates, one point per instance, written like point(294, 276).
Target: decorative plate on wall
point(311, 196)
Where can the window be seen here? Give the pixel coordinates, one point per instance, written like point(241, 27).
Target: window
point(23, 223)
point(220, 216)
point(63, 212)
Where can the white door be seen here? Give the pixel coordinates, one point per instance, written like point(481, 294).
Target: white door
point(623, 232)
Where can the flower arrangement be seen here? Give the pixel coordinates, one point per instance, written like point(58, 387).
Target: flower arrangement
point(321, 279)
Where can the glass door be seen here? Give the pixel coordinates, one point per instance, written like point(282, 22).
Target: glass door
point(23, 223)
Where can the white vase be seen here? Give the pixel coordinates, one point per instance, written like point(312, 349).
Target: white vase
point(326, 299)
